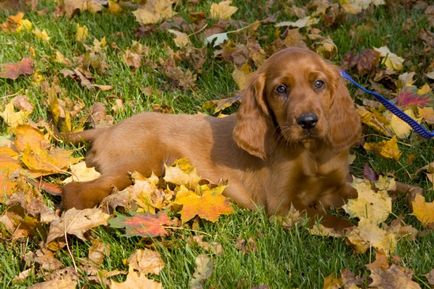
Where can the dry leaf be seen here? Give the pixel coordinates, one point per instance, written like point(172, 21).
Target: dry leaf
point(222, 10)
point(154, 11)
point(14, 70)
point(14, 118)
point(300, 23)
point(145, 225)
point(424, 211)
point(401, 128)
point(41, 34)
point(81, 173)
point(357, 6)
point(98, 251)
point(181, 173)
point(390, 60)
point(181, 39)
point(242, 76)
point(388, 149)
point(81, 33)
point(204, 268)
point(135, 280)
point(65, 283)
point(76, 222)
point(146, 261)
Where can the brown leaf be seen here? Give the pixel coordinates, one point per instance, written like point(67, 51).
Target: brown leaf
point(76, 222)
point(137, 281)
point(45, 258)
point(14, 70)
point(98, 251)
point(146, 261)
point(430, 277)
point(65, 283)
point(204, 269)
point(365, 62)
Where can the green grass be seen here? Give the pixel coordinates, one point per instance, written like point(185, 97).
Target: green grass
point(283, 258)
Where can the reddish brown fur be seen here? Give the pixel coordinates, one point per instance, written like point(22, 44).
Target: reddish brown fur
point(268, 159)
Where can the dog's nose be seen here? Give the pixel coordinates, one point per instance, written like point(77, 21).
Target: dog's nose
point(307, 120)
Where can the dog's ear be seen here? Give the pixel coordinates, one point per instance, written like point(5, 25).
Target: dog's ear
point(253, 129)
point(344, 121)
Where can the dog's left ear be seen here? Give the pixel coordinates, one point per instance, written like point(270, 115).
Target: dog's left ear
point(344, 121)
point(253, 129)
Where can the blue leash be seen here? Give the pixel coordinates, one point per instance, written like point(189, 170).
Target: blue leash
point(393, 108)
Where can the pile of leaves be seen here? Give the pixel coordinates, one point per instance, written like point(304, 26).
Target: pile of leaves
point(34, 163)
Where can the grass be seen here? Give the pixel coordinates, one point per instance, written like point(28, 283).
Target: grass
point(282, 258)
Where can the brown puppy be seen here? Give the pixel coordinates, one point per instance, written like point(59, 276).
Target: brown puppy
point(288, 143)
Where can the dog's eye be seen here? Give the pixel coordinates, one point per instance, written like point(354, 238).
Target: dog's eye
point(282, 89)
point(318, 84)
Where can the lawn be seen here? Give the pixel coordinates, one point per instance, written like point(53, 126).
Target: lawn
point(247, 249)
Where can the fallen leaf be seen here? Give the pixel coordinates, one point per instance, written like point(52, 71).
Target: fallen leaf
point(135, 280)
point(76, 222)
point(357, 6)
point(394, 277)
point(300, 23)
point(181, 39)
point(65, 283)
point(27, 136)
point(332, 282)
point(401, 128)
point(81, 33)
point(154, 11)
point(422, 210)
point(81, 173)
point(41, 34)
point(390, 60)
point(242, 76)
point(388, 149)
point(14, 118)
point(16, 23)
point(407, 98)
point(216, 39)
point(222, 10)
point(98, 251)
point(145, 225)
point(430, 277)
point(209, 206)
point(146, 261)
point(181, 172)
point(204, 269)
point(14, 70)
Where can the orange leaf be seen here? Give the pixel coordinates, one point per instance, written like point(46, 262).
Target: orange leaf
point(142, 224)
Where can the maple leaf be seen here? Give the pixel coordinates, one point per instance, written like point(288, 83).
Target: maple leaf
point(16, 23)
point(146, 225)
point(242, 75)
point(42, 162)
point(388, 149)
point(390, 60)
point(300, 23)
point(375, 120)
point(422, 210)
point(219, 105)
point(14, 70)
point(407, 98)
point(81, 33)
point(365, 62)
point(135, 280)
point(69, 7)
point(76, 222)
point(401, 128)
point(368, 234)
point(222, 10)
point(64, 283)
point(146, 261)
point(81, 173)
point(41, 34)
point(393, 276)
point(209, 206)
point(181, 172)
point(332, 282)
point(204, 269)
point(98, 251)
point(14, 118)
point(154, 11)
point(357, 6)
point(28, 136)
point(181, 39)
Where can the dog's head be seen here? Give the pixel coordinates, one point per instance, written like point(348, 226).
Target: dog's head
point(296, 97)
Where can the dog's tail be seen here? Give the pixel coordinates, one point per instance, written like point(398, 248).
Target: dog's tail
point(77, 137)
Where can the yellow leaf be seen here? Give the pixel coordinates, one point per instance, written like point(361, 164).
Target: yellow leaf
point(210, 205)
point(29, 137)
point(181, 173)
point(12, 118)
point(425, 89)
point(81, 33)
point(391, 60)
point(81, 173)
point(427, 114)
point(406, 79)
point(356, 6)
point(375, 206)
point(242, 75)
point(424, 211)
point(387, 149)
point(114, 7)
point(181, 39)
point(375, 120)
point(368, 234)
point(24, 25)
point(154, 11)
point(331, 282)
point(401, 128)
point(42, 35)
point(222, 10)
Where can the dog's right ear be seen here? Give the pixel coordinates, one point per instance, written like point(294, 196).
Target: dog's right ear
point(253, 126)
